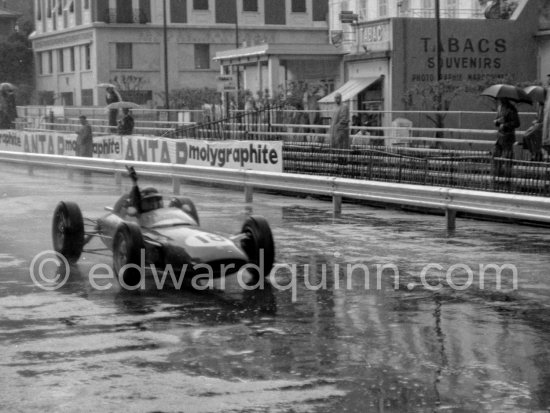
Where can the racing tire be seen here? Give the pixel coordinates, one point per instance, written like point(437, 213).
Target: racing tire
point(68, 230)
point(127, 246)
point(259, 238)
point(187, 206)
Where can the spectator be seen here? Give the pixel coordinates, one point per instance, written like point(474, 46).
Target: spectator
point(507, 121)
point(126, 124)
point(112, 97)
point(8, 110)
point(84, 139)
point(339, 125)
point(532, 139)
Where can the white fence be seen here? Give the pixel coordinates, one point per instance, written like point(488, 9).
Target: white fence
point(448, 200)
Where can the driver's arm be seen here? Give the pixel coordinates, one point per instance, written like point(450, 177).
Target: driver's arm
point(135, 194)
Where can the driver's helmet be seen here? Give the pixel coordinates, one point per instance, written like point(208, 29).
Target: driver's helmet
point(150, 199)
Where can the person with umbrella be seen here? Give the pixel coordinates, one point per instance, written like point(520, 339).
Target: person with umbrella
point(532, 139)
point(126, 124)
point(111, 97)
point(8, 109)
point(507, 121)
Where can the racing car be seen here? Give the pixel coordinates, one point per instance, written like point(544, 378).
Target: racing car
point(148, 230)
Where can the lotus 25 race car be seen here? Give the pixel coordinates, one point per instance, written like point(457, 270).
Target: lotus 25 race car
point(142, 228)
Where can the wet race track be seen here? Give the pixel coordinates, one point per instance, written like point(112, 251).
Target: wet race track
point(324, 343)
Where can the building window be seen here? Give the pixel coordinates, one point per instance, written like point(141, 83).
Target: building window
point(67, 98)
point(87, 57)
point(87, 97)
point(427, 8)
point(298, 6)
point(124, 11)
point(86, 4)
point(49, 8)
point(144, 11)
point(60, 61)
point(124, 59)
point(250, 5)
point(38, 9)
point(320, 10)
point(73, 61)
point(383, 8)
point(45, 97)
point(202, 56)
point(50, 61)
point(200, 4)
point(178, 11)
point(60, 7)
point(226, 11)
point(39, 57)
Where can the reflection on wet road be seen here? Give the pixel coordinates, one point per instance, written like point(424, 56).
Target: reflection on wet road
point(327, 342)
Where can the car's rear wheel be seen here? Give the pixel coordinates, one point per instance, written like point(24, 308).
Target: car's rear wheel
point(187, 206)
point(127, 246)
point(258, 242)
point(68, 230)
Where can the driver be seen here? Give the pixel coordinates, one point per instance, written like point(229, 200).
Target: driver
point(145, 200)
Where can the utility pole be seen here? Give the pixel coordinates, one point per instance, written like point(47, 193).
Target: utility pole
point(236, 47)
point(438, 38)
point(165, 32)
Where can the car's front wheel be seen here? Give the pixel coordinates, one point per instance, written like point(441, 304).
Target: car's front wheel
point(68, 230)
point(127, 249)
point(258, 244)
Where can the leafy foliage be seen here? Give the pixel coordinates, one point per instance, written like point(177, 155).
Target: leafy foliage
point(16, 65)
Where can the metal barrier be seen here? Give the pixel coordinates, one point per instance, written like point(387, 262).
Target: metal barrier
point(448, 200)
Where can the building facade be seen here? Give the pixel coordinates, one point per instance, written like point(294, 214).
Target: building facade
point(391, 48)
point(79, 44)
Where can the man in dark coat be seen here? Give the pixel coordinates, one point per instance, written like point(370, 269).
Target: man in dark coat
point(339, 125)
point(84, 139)
point(126, 124)
point(112, 97)
point(507, 121)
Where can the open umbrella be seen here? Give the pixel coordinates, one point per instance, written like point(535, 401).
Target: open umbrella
point(536, 93)
point(7, 86)
point(510, 92)
point(122, 105)
point(106, 85)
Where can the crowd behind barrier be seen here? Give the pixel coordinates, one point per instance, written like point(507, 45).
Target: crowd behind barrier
point(457, 156)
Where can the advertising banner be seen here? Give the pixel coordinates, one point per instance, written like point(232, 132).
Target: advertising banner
point(255, 155)
point(57, 143)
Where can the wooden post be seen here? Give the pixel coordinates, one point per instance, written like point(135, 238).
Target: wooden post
point(176, 186)
point(337, 204)
point(450, 216)
point(248, 194)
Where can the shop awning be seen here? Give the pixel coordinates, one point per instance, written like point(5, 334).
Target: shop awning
point(350, 89)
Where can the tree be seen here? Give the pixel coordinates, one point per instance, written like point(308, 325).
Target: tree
point(433, 96)
point(16, 65)
point(131, 88)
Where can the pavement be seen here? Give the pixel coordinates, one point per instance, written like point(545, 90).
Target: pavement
point(360, 315)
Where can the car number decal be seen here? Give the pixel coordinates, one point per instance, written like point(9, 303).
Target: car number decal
point(207, 240)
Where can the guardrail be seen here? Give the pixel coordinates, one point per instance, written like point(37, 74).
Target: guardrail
point(448, 200)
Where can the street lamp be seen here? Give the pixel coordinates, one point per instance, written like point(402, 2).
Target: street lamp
point(165, 33)
point(236, 47)
point(438, 39)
